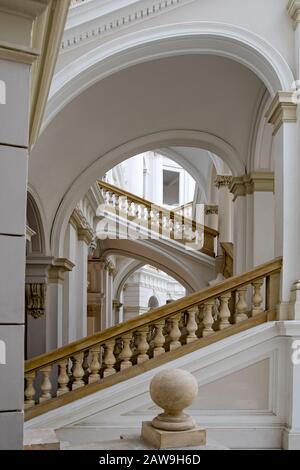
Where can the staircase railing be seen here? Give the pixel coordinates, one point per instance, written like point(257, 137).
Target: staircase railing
point(75, 370)
point(158, 219)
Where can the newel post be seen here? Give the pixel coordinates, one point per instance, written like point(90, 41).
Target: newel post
point(273, 291)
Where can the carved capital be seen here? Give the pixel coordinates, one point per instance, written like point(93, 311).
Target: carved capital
point(35, 297)
point(223, 180)
point(58, 269)
point(211, 210)
point(293, 9)
point(85, 231)
point(282, 109)
point(254, 182)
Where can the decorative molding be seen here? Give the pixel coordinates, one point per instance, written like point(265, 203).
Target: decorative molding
point(223, 180)
point(23, 55)
point(282, 109)
point(110, 23)
point(35, 297)
point(84, 230)
point(58, 269)
point(29, 233)
point(212, 209)
point(293, 9)
point(254, 182)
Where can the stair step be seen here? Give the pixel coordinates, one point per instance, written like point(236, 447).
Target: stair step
point(40, 439)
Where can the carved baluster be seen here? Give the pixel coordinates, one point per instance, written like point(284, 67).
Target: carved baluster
point(86, 366)
point(109, 359)
point(78, 371)
point(159, 339)
point(208, 319)
point(95, 365)
point(126, 352)
point(191, 326)
point(241, 306)
point(199, 319)
point(175, 333)
point(29, 390)
point(257, 297)
point(46, 385)
point(142, 345)
point(63, 377)
point(123, 204)
point(224, 311)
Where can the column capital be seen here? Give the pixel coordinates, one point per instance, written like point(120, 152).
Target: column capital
point(223, 180)
point(84, 230)
point(293, 9)
point(35, 296)
point(282, 109)
point(58, 269)
point(262, 181)
point(211, 209)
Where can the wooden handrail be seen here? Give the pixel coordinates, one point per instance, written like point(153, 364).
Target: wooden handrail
point(150, 205)
point(181, 305)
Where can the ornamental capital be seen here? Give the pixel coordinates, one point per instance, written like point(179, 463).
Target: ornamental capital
point(223, 180)
point(211, 210)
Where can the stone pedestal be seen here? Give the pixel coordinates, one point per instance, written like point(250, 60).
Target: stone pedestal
point(161, 439)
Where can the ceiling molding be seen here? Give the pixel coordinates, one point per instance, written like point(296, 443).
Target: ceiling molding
point(115, 20)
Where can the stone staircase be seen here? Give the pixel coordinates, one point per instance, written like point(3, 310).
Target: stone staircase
point(124, 351)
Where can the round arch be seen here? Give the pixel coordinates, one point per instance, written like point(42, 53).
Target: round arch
point(181, 138)
point(198, 37)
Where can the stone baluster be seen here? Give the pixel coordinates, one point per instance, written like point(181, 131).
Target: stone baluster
point(123, 204)
point(208, 319)
point(63, 377)
point(29, 390)
point(191, 325)
point(241, 306)
point(109, 359)
point(142, 345)
point(159, 339)
point(257, 298)
point(224, 312)
point(78, 371)
point(131, 208)
point(117, 203)
point(46, 385)
point(175, 333)
point(126, 352)
point(95, 365)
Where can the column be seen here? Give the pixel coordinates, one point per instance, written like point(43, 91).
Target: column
point(14, 112)
point(84, 240)
point(106, 282)
point(284, 115)
point(54, 308)
point(238, 190)
point(223, 183)
point(69, 291)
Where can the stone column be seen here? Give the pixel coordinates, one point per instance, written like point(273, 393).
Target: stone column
point(118, 313)
point(54, 309)
point(106, 275)
point(240, 224)
point(284, 115)
point(84, 239)
point(15, 62)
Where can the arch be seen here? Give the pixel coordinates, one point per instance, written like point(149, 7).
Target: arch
point(153, 302)
point(181, 138)
point(35, 221)
point(200, 37)
point(122, 276)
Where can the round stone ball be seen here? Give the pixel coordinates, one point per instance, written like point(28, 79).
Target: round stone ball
point(173, 390)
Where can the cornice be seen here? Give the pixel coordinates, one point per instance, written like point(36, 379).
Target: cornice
point(23, 55)
point(254, 182)
point(115, 20)
point(293, 9)
point(282, 109)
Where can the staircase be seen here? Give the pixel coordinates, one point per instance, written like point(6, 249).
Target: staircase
point(156, 222)
point(124, 351)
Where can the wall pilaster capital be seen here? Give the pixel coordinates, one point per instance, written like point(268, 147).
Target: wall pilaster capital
point(35, 298)
point(258, 181)
point(223, 181)
point(282, 109)
point(211, 209)
point(293, 9)
point(84, 230)
point(58, 269)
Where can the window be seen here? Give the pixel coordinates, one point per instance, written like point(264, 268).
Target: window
point(171, 187)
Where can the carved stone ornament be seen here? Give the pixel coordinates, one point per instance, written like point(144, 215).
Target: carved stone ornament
point(35, 297)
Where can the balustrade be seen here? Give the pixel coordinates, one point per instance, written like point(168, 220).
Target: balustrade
point(237, 303)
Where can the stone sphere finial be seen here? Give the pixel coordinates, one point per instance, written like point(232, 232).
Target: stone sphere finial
point(173, 390)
